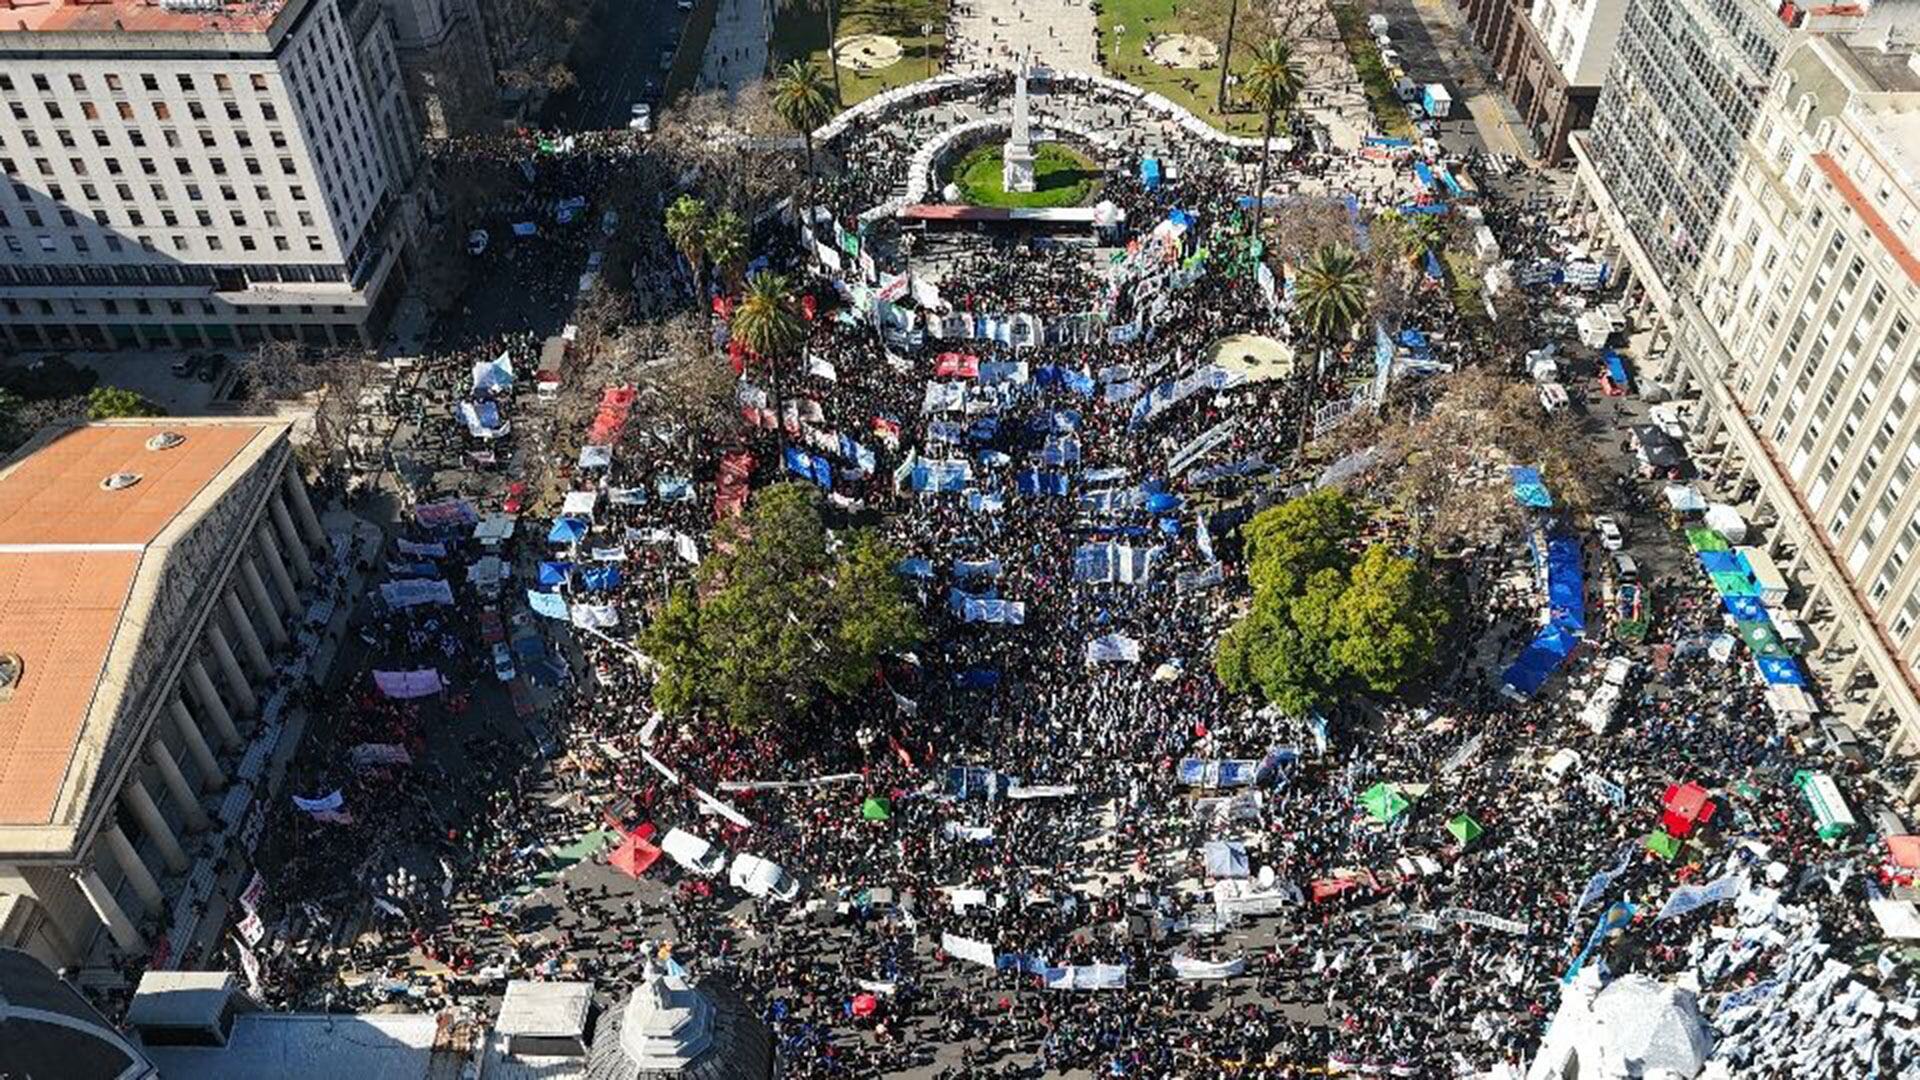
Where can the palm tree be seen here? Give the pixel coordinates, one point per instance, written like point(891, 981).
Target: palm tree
point(803, 99)
point(1274, 82)
point(768, 321)
point(687, 232)
point(1329, 296)
point(1226, 58)
point(827, 10)
point(725, 240)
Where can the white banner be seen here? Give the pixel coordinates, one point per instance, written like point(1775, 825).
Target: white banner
point(251, 928)
point(969, 949)
point(1691, 897)
point(1186, 967)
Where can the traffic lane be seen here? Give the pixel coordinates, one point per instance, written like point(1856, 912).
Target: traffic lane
point(618, 64)
point(1435, 46)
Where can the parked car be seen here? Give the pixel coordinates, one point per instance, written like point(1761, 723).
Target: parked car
point(545, 746)
point(1624, 567)
point(756, 876)
point(503, 662)
point(1844, 742)
point(640, 117)
point(666, 59)
point(1611, 537)
point(211, 366)
point(693, 853)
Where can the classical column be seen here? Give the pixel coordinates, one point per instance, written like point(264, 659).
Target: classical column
point(147, 812)
point(1902, 734)
point(210, 701)
point(263, 605)
point(290, 541)
point(230, 667)
point(197, 744)
point(296, 491)
point(1776, 538)
point(277, 569)
point(177, 786)
point(1813, 601)
point(134, 866)
point(250, 645)
point(105, 906)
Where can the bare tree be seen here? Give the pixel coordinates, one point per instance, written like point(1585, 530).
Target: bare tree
point(330, 383)
point(741, 152)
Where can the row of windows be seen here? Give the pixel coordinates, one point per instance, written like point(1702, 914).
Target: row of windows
point(231, 278)
point(185, 80)
point(177, 242)
point(148, 167)
point(144, 307)
point(158, 110)
point(137, 138)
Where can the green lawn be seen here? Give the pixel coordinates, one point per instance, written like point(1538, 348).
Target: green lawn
point(801, 31)
point(1062, 177)
point(1388, 112)
point(1124, 28)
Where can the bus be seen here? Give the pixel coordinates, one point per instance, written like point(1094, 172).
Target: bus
point(1831, 817)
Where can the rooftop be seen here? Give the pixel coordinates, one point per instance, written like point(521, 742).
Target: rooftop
point(366, 1046)
point(80, 558)
point(139, 16)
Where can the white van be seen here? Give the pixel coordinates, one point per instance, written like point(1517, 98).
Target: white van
point(1376, 25)
point(756, 876)
point(692, 853)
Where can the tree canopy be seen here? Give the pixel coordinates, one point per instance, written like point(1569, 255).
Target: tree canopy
point(113, 402)
point(780, 620)
point(1324, 621)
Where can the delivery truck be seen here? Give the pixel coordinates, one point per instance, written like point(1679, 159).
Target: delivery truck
point(1437, 101)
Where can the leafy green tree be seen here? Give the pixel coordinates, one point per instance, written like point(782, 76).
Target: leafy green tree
point(1387, 622)
point(1323, 622)
point(1288, 543)
point(780, 621)
point(112, 402)
point(1274, 81)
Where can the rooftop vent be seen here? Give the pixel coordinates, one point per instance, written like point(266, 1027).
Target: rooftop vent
point(120, 481)
point(11, 668)
point(166, 440)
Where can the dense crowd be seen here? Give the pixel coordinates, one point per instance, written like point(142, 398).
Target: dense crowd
point(460, 849)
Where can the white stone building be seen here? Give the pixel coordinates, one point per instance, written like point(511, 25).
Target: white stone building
point(192, 173)
point(1807, 346)
point(150, 577)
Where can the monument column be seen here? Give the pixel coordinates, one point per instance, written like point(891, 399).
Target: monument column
point(109, 910)
point(1016, 169)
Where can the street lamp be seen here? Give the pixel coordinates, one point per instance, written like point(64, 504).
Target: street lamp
point(926, 31)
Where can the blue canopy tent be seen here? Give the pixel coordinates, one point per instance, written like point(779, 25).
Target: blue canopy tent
point(1540, 659)
point(567, 530)
point(1616, 369)
point(1566, 618)
point(1744, 608)
point(1720, 562)
point(1150, 173)
point(1425, 175)
point(1780, 671)
point(553, 573)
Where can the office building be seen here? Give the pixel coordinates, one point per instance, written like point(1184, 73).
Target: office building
point(150, 575)
point(1806, 344)
point(1552, 57)
point(192, 173)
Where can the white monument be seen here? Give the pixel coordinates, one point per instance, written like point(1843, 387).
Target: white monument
point(1016, 172)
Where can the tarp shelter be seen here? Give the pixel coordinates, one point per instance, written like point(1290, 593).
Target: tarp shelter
point(1734, 583)
point(1662, 845)
point(1150, 173)
point(1384, 802)
point(1529, 489)
point(1780, 671)
point(1684, 806)
point(579, 504)
point(1727, 521)
point(876, 809)
point(1744, 608)
point(1904, 851)
point(634, 856)
point(1684, 499)
point(1227, 859)
point(1718, 562)
point(567, 531)
point(1759, 636)
point(1898, 919)
point(600, 578)
point(1464, 829)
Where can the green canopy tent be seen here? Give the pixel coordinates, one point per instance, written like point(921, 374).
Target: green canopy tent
point(876, 809)
point(1707, 540)
point(1383, 801)
point(1731, 583)
point(1662, 845)
point(1465, 830)
point(1761, 637)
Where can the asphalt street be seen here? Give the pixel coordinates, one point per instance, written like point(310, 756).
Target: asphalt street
point(623, 61)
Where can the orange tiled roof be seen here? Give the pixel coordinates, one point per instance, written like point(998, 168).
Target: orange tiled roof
point(136, 17)
point(54, 496)
point(69, 553)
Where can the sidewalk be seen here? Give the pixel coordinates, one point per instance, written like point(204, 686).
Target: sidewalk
point(737, 50)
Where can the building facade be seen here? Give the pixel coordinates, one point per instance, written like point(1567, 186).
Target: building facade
point(1804, 336)
point(150, 572)
point(1678, 99)
point(199, 174)
point(1552, 57)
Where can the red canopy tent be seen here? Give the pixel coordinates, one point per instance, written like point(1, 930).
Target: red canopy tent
point(1686, 805)
point(635, 856)
point(1904, 851)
